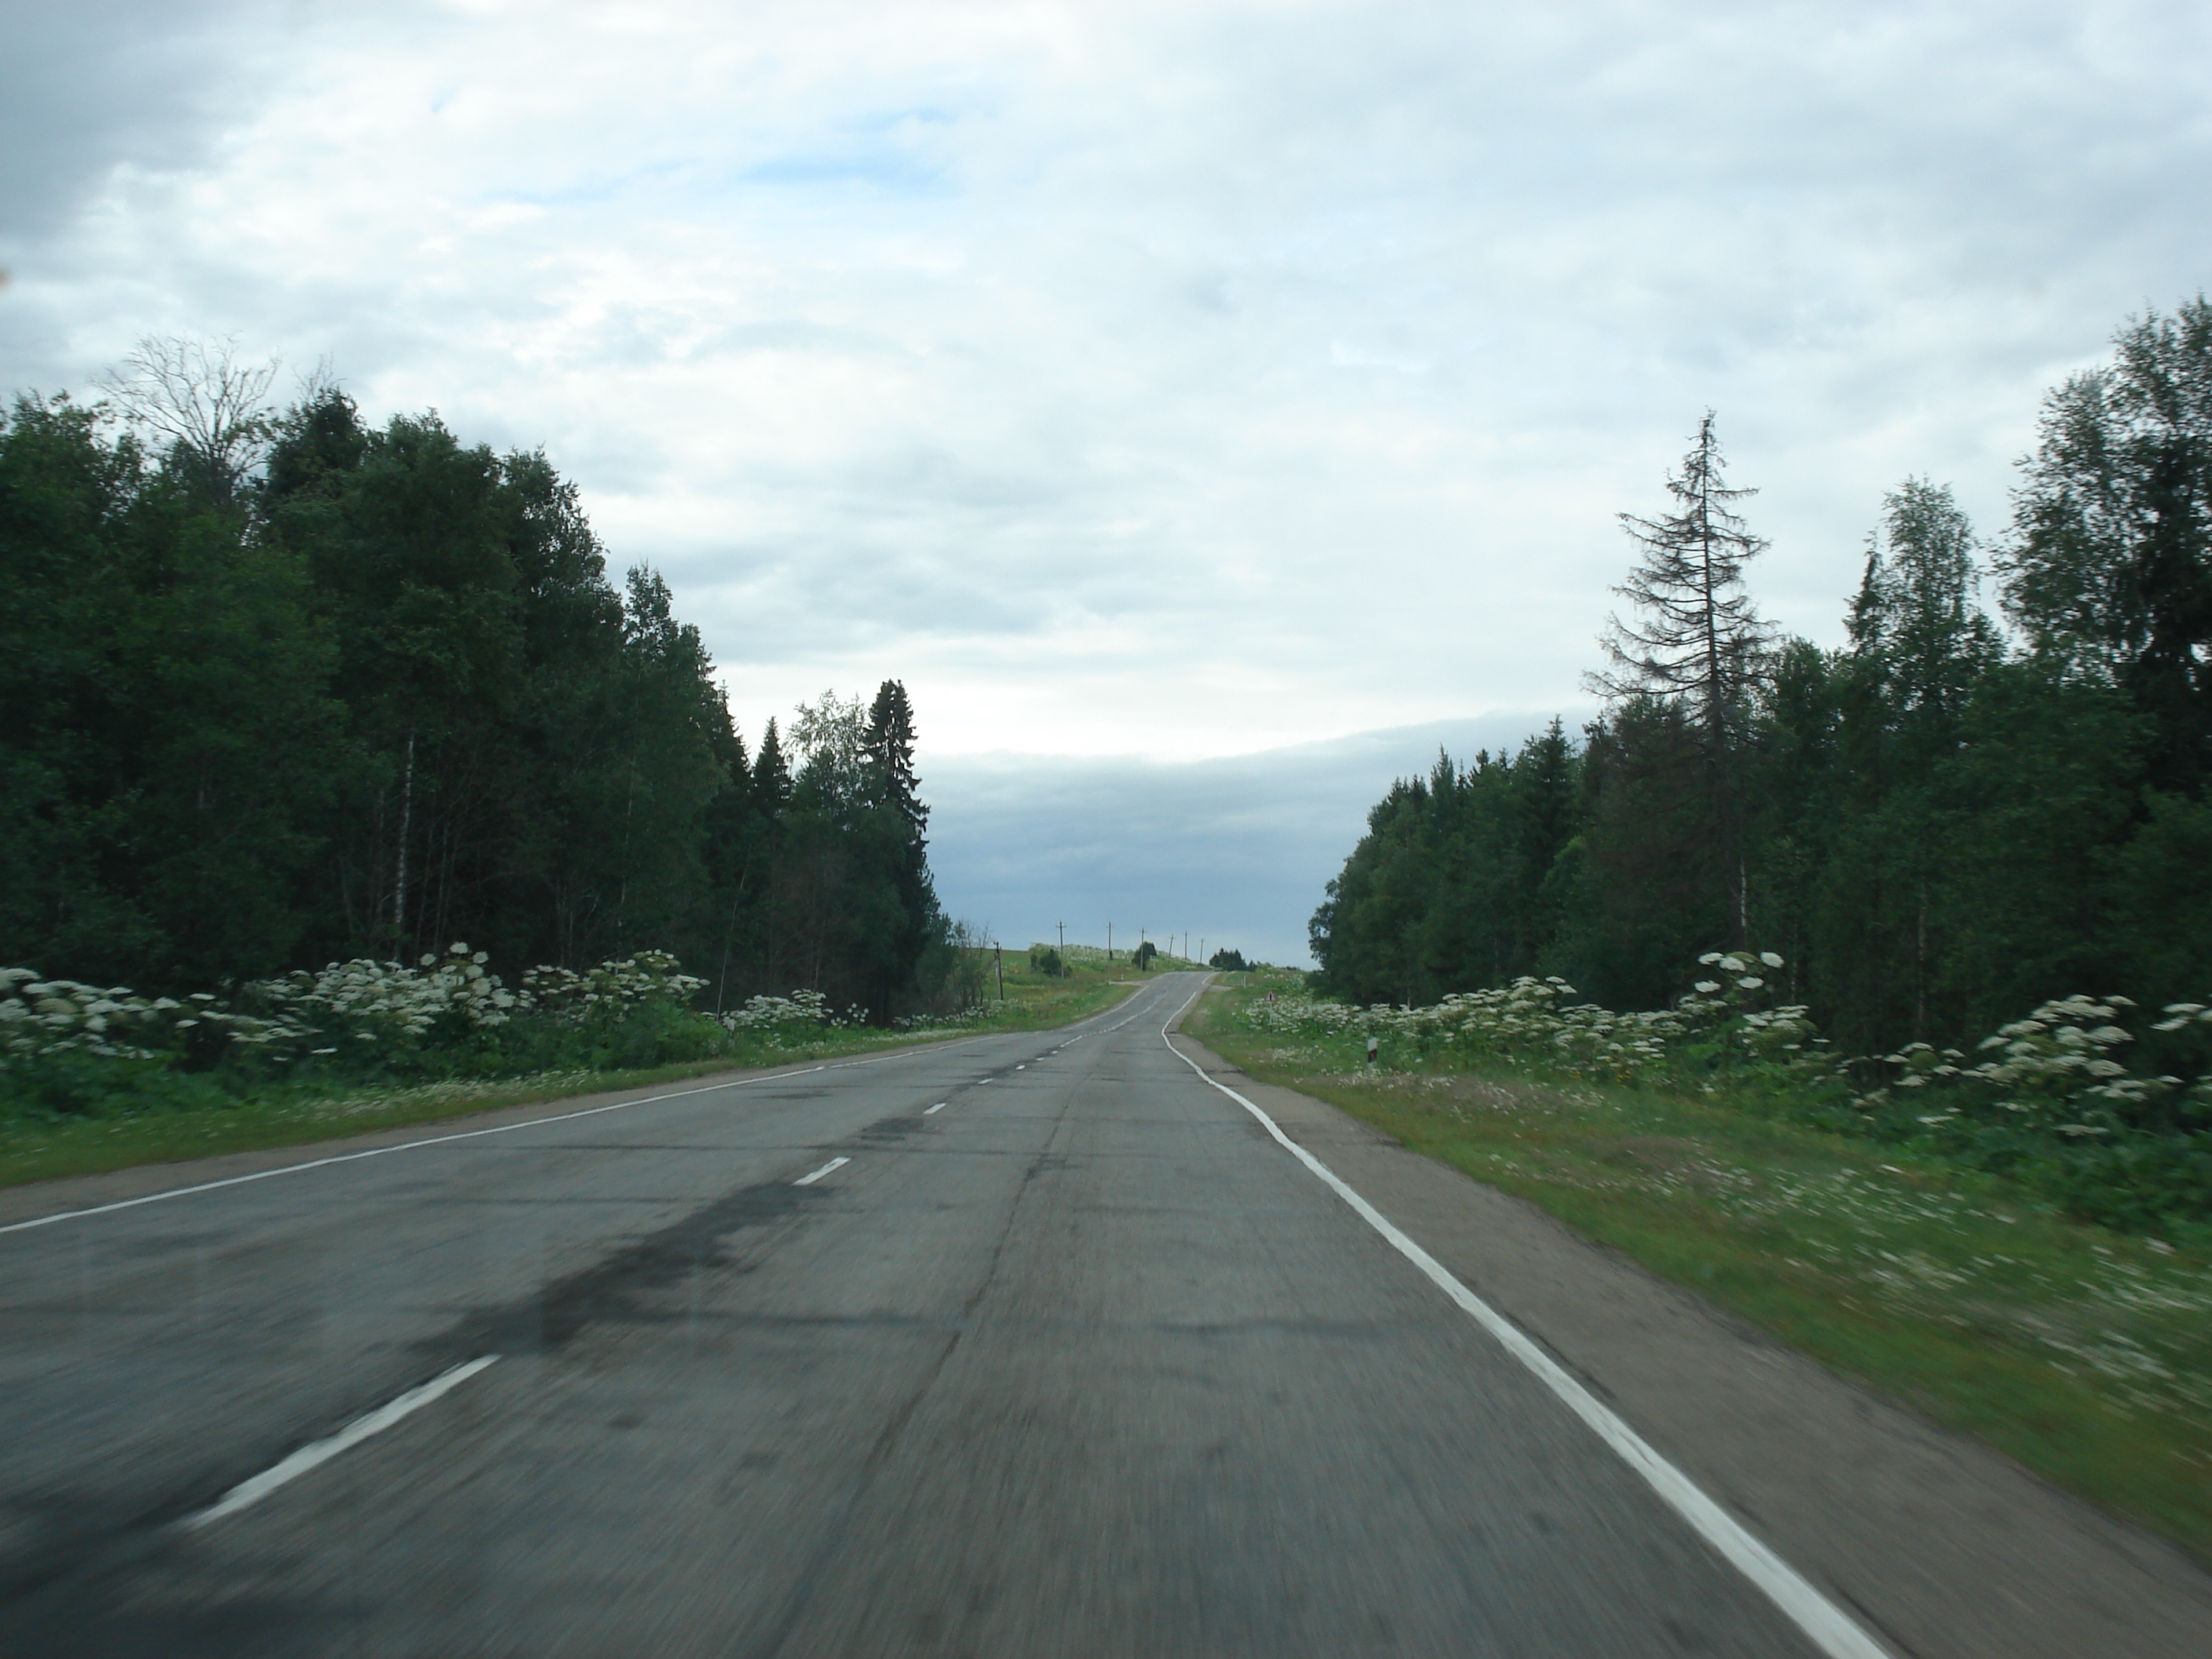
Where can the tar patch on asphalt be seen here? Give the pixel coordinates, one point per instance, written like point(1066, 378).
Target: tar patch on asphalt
point(618, 1288)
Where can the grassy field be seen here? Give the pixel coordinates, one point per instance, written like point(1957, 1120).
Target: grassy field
point(45, 1149)
point(2086, 1355)
point(1035, 999)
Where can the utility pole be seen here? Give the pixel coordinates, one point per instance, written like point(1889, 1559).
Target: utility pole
point(1000, 953)
point(1109, 943)
point(1063, 935)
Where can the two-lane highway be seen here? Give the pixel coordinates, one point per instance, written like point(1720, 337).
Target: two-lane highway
point(1067, 1355)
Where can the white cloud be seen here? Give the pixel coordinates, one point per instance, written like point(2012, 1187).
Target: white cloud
point(1175, 379)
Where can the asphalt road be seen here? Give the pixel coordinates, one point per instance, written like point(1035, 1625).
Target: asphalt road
point(1081, 1362)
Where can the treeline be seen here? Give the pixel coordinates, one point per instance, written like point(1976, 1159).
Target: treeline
point(1939, 826)
point(283, 688)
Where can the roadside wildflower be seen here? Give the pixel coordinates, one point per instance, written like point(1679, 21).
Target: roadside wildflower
point(307, 1014)
point(2060, 1074)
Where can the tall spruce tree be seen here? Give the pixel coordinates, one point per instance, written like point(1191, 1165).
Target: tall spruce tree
point(771, 789)
point(1697, 641)
point(890, 750)
point(913, 918)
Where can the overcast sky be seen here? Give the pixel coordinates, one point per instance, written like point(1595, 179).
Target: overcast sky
point(1143, 385)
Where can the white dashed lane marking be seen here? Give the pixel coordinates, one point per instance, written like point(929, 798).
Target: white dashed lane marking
point(317, 1453)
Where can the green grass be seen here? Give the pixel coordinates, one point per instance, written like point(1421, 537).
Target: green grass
point(46, 1149)
point(1033, 1001)
point(2085, 1354)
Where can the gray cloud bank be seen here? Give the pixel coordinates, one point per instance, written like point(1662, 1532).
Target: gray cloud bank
point(1236, 850)
point(147, 85)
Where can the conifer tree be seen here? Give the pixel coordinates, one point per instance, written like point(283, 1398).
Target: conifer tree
point(771, 789)
point(890, 751)
point(1698, 641)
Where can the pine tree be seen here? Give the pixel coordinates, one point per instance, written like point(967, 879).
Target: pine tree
point(1699, 641)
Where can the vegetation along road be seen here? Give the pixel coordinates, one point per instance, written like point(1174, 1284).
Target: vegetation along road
point(1037, 1343)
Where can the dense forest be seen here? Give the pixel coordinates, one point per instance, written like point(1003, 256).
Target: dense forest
point(1949, 819)
point(283, 687)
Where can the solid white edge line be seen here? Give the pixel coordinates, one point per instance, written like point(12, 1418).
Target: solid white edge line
point(463, 1134)
point(1828, 1626)
point(809, 1180)
point(497, 1129)
point(318, 1452)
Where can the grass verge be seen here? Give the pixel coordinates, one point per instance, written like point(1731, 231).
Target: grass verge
point(1034, 1000)
point(2086, 1355)
point(45, 1149)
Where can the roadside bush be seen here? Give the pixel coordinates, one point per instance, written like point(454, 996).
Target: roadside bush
point(74, 1084)
point(72, 1049)
point(2051, 1102)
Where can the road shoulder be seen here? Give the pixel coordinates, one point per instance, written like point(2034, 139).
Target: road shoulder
point(1943, 1545)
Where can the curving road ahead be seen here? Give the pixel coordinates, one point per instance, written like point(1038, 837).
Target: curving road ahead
point(1067, 1355)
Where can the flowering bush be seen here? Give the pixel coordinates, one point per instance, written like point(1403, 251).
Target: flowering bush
point(612, 989)
point(1533, 1022)
point(396, 1010)
point(41, 1018)
point(73, 1046)
point(2052, 1100)
point(778, 1019)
